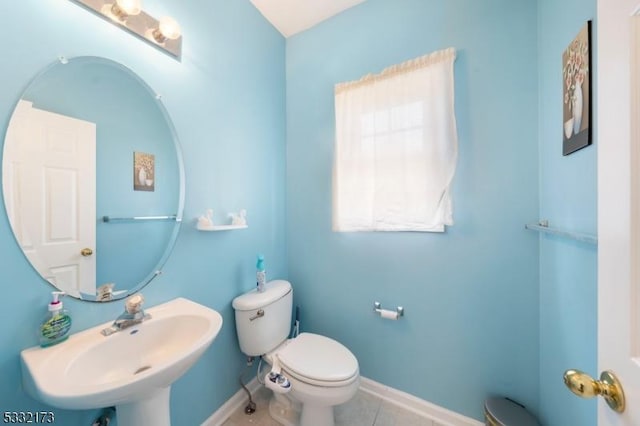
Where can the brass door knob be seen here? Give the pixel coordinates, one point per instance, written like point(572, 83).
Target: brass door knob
point(585, 386)
point(86, 252)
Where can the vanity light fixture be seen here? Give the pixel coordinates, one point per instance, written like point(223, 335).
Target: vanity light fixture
point(163, 33)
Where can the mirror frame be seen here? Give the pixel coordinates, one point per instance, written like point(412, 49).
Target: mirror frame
point(157, 270)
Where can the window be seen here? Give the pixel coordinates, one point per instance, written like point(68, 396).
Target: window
point(396, 148)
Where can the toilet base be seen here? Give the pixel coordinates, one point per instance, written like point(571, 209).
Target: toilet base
point(285, 410)
point(317, 415)
point(290, 412)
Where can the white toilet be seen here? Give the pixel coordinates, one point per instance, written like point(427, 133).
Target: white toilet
point(321, 372)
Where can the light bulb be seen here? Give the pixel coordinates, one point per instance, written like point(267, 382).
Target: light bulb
point(130, 7)
point(168, 28)
point(122, 9)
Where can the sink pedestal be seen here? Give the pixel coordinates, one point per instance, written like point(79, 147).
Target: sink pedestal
point(150, 411)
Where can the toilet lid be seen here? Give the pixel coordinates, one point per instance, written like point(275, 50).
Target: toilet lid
point(319, 358)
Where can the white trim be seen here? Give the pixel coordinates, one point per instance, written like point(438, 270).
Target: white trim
point(234, 403)
point(441, 416)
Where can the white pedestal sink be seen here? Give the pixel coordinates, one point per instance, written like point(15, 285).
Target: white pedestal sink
point(132, 369)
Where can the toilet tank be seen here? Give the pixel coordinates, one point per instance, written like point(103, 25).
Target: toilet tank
point(263, 320)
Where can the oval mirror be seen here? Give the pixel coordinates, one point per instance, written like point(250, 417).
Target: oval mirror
point(93, 180)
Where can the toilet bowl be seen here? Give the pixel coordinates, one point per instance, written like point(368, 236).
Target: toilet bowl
point(323, 373)
point(311, 373)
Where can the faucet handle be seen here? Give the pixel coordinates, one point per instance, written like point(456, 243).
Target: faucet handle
point(134, 303)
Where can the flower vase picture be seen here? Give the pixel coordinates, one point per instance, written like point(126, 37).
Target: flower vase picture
point(143, 171)
point(576, 76)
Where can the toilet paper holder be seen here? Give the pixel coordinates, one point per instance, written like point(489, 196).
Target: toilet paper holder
point(385, 313)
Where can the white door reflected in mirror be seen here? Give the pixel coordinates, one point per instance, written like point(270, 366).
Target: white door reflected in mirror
point(51, 179)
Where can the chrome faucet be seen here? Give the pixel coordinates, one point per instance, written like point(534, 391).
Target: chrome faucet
point(133, 314)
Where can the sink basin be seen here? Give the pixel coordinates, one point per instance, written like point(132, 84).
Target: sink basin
point(132, 369)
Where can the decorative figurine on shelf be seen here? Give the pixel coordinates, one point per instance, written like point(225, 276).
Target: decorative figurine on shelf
point(239, 219)
point(207, 220)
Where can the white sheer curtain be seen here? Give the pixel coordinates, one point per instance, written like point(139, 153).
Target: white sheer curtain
point(396, 148)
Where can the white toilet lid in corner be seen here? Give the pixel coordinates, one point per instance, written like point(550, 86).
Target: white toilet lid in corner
point(319, 358)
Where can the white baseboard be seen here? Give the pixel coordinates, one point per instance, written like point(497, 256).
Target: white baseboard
point(440, 415)
point(423, 408)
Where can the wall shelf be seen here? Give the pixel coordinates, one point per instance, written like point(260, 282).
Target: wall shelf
point(220, 227)
point(543, 226)
point(238, 221)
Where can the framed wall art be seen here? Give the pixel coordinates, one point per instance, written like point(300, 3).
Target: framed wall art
point(576, 75)
point(143, 171)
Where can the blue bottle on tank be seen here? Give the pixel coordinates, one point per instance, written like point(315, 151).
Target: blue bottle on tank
point(261, 274)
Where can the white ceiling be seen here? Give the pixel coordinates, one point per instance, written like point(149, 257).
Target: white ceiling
point(292, 16)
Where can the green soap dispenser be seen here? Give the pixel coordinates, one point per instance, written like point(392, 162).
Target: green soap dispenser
point(56, 326)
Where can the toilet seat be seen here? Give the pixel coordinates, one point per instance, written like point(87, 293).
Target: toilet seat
point(318, 360)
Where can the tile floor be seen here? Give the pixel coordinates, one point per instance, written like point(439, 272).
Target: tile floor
point(364, 409)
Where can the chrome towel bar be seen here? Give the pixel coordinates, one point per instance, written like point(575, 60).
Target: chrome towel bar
point(139, 218)
point(543, 226)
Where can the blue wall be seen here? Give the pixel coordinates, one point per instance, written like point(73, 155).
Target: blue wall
point(470, 294)
point(490, 308)
point(227, 102)
point(568, 199)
